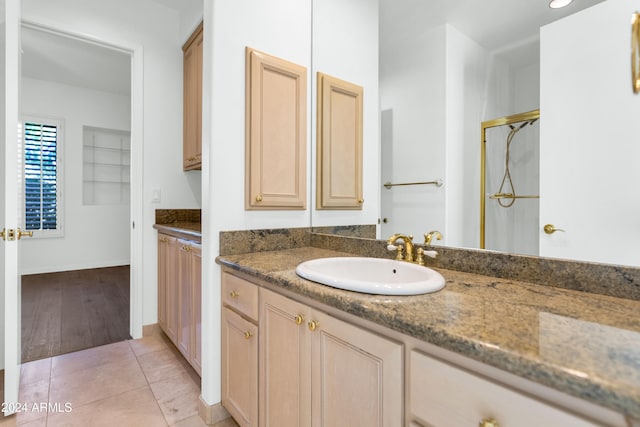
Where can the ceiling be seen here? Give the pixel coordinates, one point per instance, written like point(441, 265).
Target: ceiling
point(500, 26)
point(507, 27)
point(67, 60)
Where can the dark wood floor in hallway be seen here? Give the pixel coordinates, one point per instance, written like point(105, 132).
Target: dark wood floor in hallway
point(73, 310)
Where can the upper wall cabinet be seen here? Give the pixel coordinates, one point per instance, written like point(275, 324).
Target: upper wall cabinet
point(276, 133)
point(339, 135)
point(192, 103)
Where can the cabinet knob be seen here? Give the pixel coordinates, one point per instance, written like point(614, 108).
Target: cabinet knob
point(186, 248)
point(299, 319)
point(313, 325)
point(234, 294)
point(488, 422)
point(259, 198)
point(248, 335)
point(361, 201)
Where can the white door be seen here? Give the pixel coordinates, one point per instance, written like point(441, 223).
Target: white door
point(589, 152)
point(9, 184)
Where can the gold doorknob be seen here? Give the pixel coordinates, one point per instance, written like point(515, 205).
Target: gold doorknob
point(488, 422)
point(234, 294)
point(299, 319)
point(550, 229)
point(248, 335)
point(259, 198)
point(313, 325)
point(21, 233)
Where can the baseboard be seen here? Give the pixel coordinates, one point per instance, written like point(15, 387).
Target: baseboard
point(212, 414)
point(57, 269)
point(151, 330)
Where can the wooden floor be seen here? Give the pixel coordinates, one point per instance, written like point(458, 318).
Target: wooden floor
point(73, 310)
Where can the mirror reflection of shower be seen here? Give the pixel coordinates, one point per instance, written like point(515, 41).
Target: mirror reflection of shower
point(511, 184)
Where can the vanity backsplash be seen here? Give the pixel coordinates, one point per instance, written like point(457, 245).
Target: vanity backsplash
point(604, 279)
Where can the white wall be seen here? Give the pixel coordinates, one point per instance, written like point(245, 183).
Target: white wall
point(94, 236)
point(589, 151)
point(280, 28)
point(345, 45)
point(413, 94)
point(156, 29)
point(466, 67)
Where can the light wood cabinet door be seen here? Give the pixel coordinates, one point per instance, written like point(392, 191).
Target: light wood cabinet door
point(339, 136)
point(240, 368)
point(196, 306)
point(276, 133)
point(185, 295)
point(192, 101)
point(285, 362)
point(168, 285)
point(357, 376)
point(163, 243)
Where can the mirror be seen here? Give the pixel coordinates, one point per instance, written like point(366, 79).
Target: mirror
point(445, 67)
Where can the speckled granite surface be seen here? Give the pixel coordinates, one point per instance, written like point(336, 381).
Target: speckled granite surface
point(180, 223)
point(274, 239)
point(583, 344)
point(169, 216)
point(366, 231)
point(183, 230)
point(604, 279)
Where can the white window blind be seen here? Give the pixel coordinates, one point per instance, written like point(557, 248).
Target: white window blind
point(41, 176)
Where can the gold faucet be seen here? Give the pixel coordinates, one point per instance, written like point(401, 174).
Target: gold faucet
point(408, 255)
point(428, 237)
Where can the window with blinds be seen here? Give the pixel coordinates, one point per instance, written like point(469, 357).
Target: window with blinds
point(41, 176)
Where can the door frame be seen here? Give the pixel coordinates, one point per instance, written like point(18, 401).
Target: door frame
point(137, 151)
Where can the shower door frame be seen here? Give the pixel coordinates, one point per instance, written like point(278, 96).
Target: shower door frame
point(502, 121)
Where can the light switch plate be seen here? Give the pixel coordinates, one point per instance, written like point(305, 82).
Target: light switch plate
point(156, 195)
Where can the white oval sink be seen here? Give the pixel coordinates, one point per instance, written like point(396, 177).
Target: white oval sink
point(372, 275)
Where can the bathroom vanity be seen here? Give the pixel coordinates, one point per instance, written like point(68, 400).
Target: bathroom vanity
point(482, 350)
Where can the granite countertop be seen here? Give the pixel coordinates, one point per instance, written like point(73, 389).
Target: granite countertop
point(583, 344)
point(182, 229)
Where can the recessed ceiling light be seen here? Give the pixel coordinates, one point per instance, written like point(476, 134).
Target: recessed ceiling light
point(557, 4)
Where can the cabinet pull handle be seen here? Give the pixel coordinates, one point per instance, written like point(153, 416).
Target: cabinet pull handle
point(186, 248)
point(259, 198)
point(299, 319)
point(248, 335)
point(488, 422)
point(234, 294)
point(313, 325)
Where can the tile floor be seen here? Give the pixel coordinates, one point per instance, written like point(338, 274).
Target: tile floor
point(133, 383)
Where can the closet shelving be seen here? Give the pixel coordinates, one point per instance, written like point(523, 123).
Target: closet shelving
point(106, 166)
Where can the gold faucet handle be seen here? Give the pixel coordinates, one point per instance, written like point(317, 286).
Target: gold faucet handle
point(397, 248)
point(420, 254)
point(428, 237)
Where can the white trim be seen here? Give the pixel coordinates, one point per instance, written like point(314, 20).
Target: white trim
point(137, 150)
point(72, 267)
point(11, 288)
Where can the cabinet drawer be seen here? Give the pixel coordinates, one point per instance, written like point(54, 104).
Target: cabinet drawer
point(240, 295)
point(445, 396)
